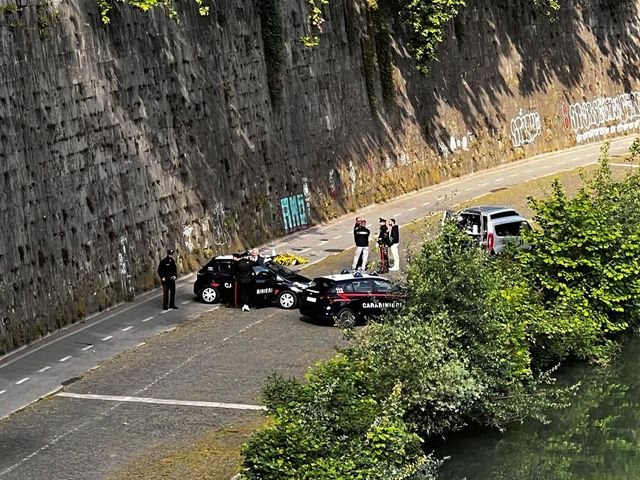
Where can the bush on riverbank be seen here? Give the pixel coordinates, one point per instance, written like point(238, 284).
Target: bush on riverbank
point(471, 346)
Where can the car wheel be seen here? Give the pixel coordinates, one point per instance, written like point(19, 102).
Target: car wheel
point(287, 300)
point(345, 318)
point(210, 295)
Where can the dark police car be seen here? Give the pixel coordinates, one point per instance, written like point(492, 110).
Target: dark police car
point(346, 298)
point(274, 282)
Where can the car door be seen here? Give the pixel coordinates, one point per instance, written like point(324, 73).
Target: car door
point(388, 295)
point(265, 281)
point(361, 295)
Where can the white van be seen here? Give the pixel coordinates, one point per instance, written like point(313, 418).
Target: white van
point(492, 226)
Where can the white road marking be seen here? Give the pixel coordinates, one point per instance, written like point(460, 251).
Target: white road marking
point(482, 184)
point(161, 401)
point(468, 189)
point(628, 165)
point(412, 209)
point(127, 328)
point(398, 214)
point(529, 171)
point(545, 166)
point(304, 250)
point(562, 162)
point(499, 179)
point(165, 311)
point(25, 379)
point(336, 238)
point(426, 204)
point(88, 347)
point(185, 302)
point(147, 319)
point(107, 338)
point(64, 359)
point(2, 391)
point(514, 175)
point(107, 412)
point(44, 369)
point(314, 262)
point(141, 344)
point(323, 242)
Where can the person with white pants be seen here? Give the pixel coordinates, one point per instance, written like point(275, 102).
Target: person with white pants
point(361, 237)
point(395, 244)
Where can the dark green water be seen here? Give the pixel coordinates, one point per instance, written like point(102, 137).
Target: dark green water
point(597, 437)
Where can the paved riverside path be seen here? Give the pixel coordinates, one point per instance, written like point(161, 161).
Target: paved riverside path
point(191, 381)
point(42, 367)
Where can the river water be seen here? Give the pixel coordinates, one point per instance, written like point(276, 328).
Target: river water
point(596, 438)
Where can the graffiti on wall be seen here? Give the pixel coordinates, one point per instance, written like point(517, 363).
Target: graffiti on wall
point(294, 212)
point(353, 176)
point(124, 266)
point(603, 116)
point(187, 234)
point(220, 230)
point(525, 128)
point(306, 193)
point(455, 143)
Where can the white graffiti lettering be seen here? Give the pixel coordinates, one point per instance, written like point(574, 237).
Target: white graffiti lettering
point(525, 128)
point(220, 230)
point(604, 116)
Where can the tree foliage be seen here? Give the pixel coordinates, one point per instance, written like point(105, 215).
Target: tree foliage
point(587, 251)
point(146, 5)
point(427, 20)
point(476, 343)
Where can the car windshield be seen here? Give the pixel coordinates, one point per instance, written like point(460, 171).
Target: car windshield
point(280, 270)
point(511, 229)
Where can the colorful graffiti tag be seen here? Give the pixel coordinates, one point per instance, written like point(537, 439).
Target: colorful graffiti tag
point(294, 212)
point(525, 128)
point(603, 116)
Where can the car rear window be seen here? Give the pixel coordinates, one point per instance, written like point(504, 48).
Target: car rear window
point(512, 229)
point(322, 284)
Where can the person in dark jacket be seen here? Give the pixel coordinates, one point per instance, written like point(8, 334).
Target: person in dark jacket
point(245, 284)
point(394, 242)
point(168, 273)
point(383, 245)
point(361, 238)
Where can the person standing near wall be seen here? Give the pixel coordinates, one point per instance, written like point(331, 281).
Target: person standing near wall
point(361, 238)
point(168, 273)
point(394, 241)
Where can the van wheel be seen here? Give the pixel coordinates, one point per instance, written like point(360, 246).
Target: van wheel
point(287, 300)
point(345, 318)
point(210, 295)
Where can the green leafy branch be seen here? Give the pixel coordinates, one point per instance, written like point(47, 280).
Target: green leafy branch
point(146, 5)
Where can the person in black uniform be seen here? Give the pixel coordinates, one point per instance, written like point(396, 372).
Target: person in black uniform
point(383, 244)
point(244, 277)
point(361, 239)
point(168, 273)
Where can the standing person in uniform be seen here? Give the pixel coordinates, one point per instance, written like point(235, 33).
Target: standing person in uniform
point(394, 241)
point(168, 273)
point(361, 237)
point(244, 277)
point(383, 244)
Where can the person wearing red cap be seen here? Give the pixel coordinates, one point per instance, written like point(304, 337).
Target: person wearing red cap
point(361, 239)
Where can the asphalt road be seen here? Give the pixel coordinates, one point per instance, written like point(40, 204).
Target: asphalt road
point(156, 390)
